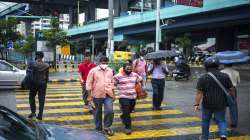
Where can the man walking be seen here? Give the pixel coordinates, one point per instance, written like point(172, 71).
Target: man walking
point(84, 69)
point(213, 97)
point(39, 85)
point(126, 82)
point(235, 79)
point(158, 72)
point(100, 86)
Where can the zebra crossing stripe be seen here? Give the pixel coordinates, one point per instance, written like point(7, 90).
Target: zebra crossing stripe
point(162, 133)
point(117, 115)
point(143, 122)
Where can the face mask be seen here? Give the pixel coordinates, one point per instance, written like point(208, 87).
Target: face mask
point(141, 58)
point(103, 66)
point(128, 72)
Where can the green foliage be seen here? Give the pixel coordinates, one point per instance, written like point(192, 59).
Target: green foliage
point(185, 43)
point(27, 47)
point(55, 35)
point(8, 31)
point(116, 65)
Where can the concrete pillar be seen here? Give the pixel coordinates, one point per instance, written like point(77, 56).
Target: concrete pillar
point(90, 12)
point(73, 17)
point(225, 39)
point(120, 7)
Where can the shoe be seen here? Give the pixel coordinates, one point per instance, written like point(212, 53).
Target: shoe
point(153, 108)
point(133, 111)
point(128, 131)
point(32, 115)
point(223, 137)
point(85, 106)
point(39, 118)
point(109, 131)
point(158, 108)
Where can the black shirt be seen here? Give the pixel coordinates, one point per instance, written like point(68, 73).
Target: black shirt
point(213, 95)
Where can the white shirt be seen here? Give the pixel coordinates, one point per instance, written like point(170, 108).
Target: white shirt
point(158, 71)
point(233, 75)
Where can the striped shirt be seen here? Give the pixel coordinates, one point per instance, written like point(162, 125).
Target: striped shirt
point(213, 95)
point(126, 84)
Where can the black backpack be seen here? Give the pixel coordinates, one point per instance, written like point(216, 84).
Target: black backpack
point(29, 78)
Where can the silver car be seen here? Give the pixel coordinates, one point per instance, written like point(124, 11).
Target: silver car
point(10, 73)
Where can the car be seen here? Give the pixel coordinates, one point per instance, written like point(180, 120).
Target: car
point(16, 127)
point(10, 73)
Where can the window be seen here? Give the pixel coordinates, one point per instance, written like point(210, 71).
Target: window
point(5, 67)
point(11, 128)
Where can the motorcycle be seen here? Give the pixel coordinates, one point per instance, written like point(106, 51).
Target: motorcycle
point(182, 71)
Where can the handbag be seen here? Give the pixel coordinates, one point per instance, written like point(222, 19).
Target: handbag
point(230, 100)
point(141, 94)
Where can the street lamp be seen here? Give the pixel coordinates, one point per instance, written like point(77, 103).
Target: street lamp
point(110, 48)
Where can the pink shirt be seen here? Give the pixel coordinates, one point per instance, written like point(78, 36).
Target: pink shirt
point(126, 84)
point(100, 82)
point(140, 66)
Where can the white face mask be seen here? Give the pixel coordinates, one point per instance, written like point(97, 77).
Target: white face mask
point(141, 58)
point(103, 66)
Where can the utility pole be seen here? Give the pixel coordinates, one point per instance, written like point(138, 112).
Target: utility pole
point(157, 30)
point(110, 48)
point(93, 47)
point(142, 5)
point(78, 12)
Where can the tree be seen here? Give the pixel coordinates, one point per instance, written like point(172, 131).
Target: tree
point(185, 43)
point(26, 47)
point(8, 32)
point(55, 36)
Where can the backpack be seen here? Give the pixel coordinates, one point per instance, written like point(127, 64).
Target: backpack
point(29, 78)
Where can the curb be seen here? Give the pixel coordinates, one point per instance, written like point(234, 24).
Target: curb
point(63, 80)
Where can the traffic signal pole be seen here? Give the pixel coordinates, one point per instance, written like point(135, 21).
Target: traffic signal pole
point(157, 29)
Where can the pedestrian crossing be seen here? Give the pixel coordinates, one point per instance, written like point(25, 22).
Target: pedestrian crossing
point(64, 107)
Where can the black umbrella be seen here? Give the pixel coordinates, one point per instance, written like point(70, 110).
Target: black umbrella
point(161, 54)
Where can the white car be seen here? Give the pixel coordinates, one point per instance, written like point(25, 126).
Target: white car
point(10, 73)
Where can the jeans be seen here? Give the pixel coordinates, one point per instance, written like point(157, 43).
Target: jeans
point(158, 91)
point(108, 112)
point(41, 90)
point(84, 94)
point(233, 110)
point(220, 119)
point(126, 107)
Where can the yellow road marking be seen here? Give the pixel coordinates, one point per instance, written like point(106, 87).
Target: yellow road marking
point(143, 122)
point(117, 115)
point(161, 133)
point(52, 95)
point(54, 99)
point(77, 98)
point(80, 103)
point(238, 138)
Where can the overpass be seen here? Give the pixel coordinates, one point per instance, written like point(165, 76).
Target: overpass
point(222, 19)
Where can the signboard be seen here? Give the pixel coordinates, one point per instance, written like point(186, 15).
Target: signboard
point(194, 3)
point(10, 45)
point(39, 36)
point(65, 50)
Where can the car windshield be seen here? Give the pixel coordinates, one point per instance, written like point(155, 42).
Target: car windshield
point(13, 126)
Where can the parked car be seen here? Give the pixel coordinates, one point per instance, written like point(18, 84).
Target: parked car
point(9, 72)
point(16, 127)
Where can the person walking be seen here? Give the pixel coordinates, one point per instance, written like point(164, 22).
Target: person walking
point(126, 82)
point(235, 79)
point(213, 97)
point(140, 67)
point(84, 69)
point(100, 86)
point(40, 72)
point(159, 72)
